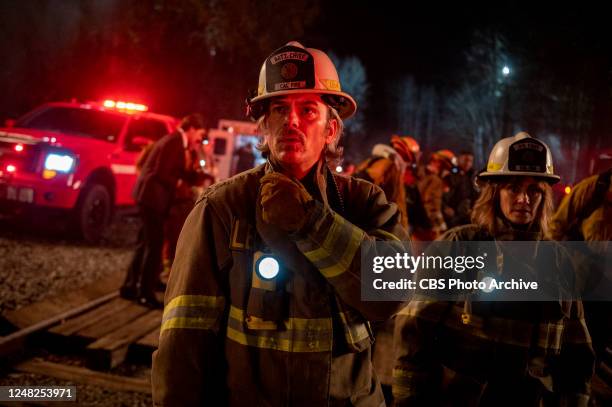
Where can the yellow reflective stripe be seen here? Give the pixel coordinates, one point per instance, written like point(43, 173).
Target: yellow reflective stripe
point(298, 324)
point(192, 312)
point(188, 323)
point(301, 324)
point(509, 331)
point(402, 373)
point(425, 309)
point(275, 343)
point(401, 392)
point(384, 233)
point(406, 381)
point(347, 257)
point(318, 332)
point(399, 373)
point(550, 336)
point(354, 333)
point(494, 166)
point(195, 301)
point(331, 84)
point(328, 244)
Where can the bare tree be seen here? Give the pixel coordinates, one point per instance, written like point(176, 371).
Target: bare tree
point(416, 110)
point(354, 81)
point(479, 112)
point(177, 55)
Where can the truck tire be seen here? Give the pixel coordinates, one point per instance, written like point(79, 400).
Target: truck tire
point(93, 213)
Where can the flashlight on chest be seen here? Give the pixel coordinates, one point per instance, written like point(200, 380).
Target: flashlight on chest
point(266, 270)
point(267, 267)
point(267, 298)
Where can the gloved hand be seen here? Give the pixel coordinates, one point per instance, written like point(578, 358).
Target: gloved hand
point(284, 202)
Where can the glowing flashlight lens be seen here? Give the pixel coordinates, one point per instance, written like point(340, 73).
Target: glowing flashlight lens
point(268, 268)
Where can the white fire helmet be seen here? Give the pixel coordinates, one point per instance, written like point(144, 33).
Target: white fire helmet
point(296, 69)
point(520, 155)
point(383, 150)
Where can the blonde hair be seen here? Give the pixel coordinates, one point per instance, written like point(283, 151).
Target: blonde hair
point(333, 151)
point(487, 209)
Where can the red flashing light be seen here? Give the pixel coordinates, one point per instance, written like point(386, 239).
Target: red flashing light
point(567, 190)
point(128, 106)
point(11, 168)
point(18, 148)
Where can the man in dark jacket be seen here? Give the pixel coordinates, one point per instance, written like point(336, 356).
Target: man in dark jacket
point(263, 305)
point(462, 195)
point(154, 192)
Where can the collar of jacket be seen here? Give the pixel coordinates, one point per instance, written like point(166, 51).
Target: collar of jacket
point(181, 132)
point(506, 231)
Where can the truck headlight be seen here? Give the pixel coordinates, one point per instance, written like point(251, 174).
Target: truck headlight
point(59, 162)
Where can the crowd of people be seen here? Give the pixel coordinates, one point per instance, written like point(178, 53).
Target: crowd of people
point(264, 304)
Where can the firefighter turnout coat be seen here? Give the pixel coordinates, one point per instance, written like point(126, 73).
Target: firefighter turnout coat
point(493, 353)
point(231, 338)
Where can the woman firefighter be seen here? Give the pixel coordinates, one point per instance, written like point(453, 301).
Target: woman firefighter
point(473, 352)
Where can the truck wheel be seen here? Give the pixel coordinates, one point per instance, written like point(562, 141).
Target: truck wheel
point(93, 213)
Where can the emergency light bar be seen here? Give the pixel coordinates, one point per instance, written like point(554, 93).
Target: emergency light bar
point(120, 105)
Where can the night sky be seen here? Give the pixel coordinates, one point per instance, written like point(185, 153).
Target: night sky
point(571, 43)
point(429, 41)
point(55, 50)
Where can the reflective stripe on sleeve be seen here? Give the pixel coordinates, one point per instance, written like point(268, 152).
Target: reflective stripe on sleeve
point(406, 382)
point(355, 333)
point(192, 312)
point(336, 253)
point(385, 235)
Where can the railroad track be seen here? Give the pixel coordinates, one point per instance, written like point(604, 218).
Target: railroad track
point(93, 325)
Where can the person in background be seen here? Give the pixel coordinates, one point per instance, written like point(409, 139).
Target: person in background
point(432, 186)
point(246, 158)
point(187, 192)
point(586, 215)
point(154, 193)
point(462, 193)
point(386, 168)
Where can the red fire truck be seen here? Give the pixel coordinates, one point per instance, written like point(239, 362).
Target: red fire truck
point(78, 159)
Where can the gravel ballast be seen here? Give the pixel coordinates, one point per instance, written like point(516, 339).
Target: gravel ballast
point(36, 264)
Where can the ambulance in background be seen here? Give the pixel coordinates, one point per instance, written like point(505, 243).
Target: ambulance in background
point(226, 142)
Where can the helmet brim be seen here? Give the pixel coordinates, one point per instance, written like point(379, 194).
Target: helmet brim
point(344, 111)
point(550, 178)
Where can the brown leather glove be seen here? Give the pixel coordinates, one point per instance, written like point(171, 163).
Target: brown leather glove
point(284, 202)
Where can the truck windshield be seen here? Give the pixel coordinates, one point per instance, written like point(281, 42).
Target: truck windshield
point(80, 122)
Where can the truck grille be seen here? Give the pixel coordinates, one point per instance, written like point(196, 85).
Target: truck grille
point(25, 160)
